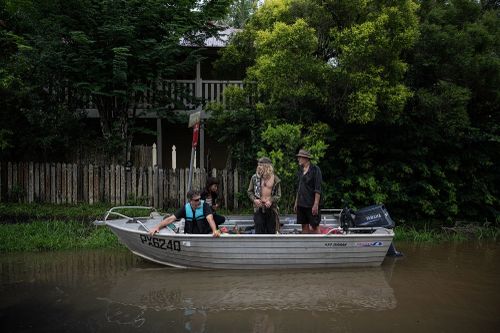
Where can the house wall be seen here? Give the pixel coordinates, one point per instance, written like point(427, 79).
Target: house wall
point(181, 136)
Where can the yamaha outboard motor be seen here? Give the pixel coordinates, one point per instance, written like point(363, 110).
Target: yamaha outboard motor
point(373, 216)
point(376, 216)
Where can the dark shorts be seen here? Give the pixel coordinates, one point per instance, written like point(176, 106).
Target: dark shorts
point(219, 219)
point(305, 216)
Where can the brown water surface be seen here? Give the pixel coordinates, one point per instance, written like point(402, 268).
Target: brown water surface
point(433, 288)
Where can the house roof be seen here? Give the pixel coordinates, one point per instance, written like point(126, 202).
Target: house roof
point(221, 40)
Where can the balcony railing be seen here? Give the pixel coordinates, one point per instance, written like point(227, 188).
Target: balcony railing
point(177, 95)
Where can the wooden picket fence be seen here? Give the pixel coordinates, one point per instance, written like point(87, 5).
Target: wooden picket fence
point(63, 183)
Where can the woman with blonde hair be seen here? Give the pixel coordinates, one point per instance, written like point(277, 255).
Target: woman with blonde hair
point(265, 191)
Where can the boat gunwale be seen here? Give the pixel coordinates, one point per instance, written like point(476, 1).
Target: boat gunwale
point(389, 233)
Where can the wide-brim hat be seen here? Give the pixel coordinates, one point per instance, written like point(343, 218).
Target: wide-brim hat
point(264, 160)
point(304, 153)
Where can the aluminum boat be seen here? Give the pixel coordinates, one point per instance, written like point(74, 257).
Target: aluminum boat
point(240, 248)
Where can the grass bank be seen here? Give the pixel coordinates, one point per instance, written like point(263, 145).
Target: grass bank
point(55, 235)
point(427, 234)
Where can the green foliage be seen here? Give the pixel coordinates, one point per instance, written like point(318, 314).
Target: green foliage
point(109, 52)
point(429, 234)
point(281, 144)
point(19, 212)
point(341, 57)
point(54, 235)
point(370, 64)
point(238, 126)
point(239, 12)
point(286, 69)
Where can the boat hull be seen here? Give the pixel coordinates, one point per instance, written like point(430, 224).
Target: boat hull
point(250, 251)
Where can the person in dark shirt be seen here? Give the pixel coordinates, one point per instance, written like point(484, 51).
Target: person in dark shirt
point(308, 194)
point(197, 214)
point(210, 195)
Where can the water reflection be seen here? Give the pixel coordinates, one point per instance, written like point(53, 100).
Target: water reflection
point(172, 289)
point(198, 293)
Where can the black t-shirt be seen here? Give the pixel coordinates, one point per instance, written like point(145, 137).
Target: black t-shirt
point(309, 184)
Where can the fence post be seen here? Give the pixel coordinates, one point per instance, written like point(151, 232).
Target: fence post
point(112, 185)
point(153, 153)
point(155, 186)
point(161, 187)
point(150, 186)
point(236, 188)
point(14, 176)
point(26, 181)
point(85, 189)
point(31, 182)
point(36, 179)
point(64, 183)
point(90, 177)
point(69, 187)
point(9, 178)
point(133, 184)
point(172, 188)
point(41, 188)
point(224, 181)
point(122, 185)
point(75, 183)
point(182, 186)
point(174, 157)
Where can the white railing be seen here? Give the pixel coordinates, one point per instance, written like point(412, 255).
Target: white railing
point(180, 94)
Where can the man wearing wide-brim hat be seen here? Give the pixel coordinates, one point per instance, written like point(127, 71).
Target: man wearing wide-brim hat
point(308, 193)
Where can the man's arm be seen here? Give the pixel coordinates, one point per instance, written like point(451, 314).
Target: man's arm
point(315, 207)
point(162, 224)
point(213, 226)
point(317, 191)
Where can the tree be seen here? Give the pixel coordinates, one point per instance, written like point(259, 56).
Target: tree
point(240, 12)
point(281, 142)
point(455, 114)
point(344, 58)
point(113, 52)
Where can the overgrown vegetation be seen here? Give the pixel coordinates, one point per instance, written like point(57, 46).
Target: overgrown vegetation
point(50, 235)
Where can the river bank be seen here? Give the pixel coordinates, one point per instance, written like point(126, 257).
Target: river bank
point(56, 227)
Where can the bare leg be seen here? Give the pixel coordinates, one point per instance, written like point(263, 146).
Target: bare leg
point(315, 229)
point(305, 228)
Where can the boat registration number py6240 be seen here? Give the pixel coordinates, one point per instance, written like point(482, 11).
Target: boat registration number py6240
point(173, 245)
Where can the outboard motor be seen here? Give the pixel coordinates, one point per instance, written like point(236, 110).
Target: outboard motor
point(376, 216)
point(373, 216)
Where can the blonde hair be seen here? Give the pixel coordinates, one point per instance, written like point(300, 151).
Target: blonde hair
point(265, 170)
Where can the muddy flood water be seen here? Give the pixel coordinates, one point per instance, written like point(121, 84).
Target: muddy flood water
point(433, 288)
